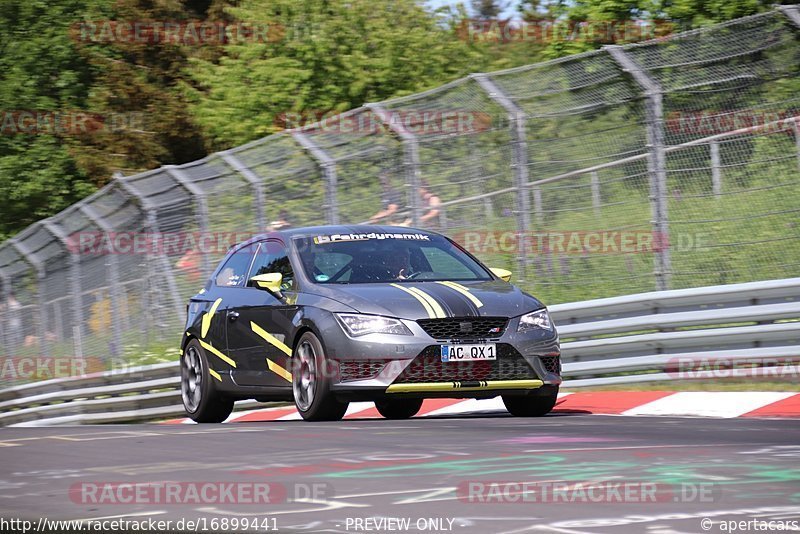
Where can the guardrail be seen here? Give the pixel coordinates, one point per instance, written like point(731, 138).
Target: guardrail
point(668, 335)
point(665, 335)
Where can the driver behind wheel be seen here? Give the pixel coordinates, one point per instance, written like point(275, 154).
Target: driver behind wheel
point(397, 262)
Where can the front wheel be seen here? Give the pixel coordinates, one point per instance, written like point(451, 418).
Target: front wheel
point(200, 400)
point(398, 408)
point(311, 385)
point(531, 406)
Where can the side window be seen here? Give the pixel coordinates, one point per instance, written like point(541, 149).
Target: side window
point(271, 258)
point(234, 272)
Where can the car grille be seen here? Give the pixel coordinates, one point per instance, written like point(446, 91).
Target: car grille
point(428, 367)
point(464, 327)
point(552, 364)
point(359, 369)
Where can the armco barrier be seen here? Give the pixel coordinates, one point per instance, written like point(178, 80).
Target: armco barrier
point(640, 335)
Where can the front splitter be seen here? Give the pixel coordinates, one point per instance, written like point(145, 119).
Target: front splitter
point(465, 385)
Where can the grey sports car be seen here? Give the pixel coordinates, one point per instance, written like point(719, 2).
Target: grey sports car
point(332, 314)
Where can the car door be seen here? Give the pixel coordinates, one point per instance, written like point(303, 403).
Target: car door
point(259, 323)
point(226, 289)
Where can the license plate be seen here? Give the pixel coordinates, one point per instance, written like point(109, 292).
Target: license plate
point(468, 353)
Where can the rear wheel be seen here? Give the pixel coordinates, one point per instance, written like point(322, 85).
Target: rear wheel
point(200, 400)
point(311, 386)
point(531, 405)
point(398, 408)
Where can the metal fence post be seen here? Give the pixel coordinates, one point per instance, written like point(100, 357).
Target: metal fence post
point(255, 182)
point(411, 160)
point(5, 291)
point(594, 178)
point(792, 13)
point(113, 280)
point(202, 209)
point(41, 304)
point(156, 264)
point(162, 267)
point(656, 161)
point(328, 166)
point(796, 128)
point(538, 210)
point(74, 283)
point(516, 117)
point(716, 170)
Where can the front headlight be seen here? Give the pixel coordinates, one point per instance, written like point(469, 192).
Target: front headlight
point(359, 325)
point(538, 319)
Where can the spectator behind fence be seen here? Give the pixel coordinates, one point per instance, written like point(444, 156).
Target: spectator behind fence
point(283, 222)
point(391, 201)
point(189, 264)
point(431, 204)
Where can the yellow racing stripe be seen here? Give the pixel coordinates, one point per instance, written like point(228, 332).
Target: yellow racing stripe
point(217, 353)
point(215, 374)
point(278, 370)
point(464, 291)
point(269, 338)
point(437, 309)
point(206, 321)
point(421, 300)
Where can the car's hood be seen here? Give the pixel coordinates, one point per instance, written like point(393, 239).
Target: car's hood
point(426, 299)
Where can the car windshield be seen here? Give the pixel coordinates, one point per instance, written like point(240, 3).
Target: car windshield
point(385, 257)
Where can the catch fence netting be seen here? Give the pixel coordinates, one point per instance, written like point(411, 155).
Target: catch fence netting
point(666, 164)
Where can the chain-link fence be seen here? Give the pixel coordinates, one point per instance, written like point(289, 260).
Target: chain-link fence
point(667, 164)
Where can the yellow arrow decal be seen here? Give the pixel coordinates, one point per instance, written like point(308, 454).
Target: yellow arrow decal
point(269, 338)
point(278, 370)
point(217, 353)
point(206, 321)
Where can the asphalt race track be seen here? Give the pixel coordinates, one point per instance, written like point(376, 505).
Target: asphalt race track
point(379, 475)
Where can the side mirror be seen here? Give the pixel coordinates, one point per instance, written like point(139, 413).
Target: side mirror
point(501, 273)
point(269, 281)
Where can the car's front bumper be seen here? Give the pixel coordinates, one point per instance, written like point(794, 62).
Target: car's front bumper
point(390, 360)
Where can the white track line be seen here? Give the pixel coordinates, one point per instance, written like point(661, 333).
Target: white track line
point(724, 404)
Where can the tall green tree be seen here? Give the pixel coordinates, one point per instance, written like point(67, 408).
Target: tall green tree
point(48, 65)
point(325, 57)
point(137, 83)
point(606, 19)
point(487, 9)
point(39, 71)
point(695, 13)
